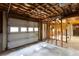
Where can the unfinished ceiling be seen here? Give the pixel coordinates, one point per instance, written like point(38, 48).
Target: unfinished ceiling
point(41, 11)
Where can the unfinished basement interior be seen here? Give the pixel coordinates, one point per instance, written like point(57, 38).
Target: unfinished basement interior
point(39, 29)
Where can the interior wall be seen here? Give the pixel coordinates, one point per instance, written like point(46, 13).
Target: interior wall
point(18, 39)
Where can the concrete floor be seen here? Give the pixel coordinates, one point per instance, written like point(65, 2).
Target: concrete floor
point(43, 49)
point(47, 49)
point(74, 42)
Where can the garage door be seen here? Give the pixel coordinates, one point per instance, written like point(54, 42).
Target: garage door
point(21, 32)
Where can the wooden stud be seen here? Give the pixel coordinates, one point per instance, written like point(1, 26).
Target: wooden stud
point(61, 34)
point(66, 30)
point(40, 31)
point(56, 31)
point(66, 35)
point(48, 31)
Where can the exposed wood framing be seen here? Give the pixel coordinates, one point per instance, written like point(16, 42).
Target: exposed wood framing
point(41, 13)
point(42, 10)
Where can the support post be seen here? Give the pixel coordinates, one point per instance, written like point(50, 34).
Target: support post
point(66, 35)
point(56, 31)
point(61, 34)
point(66, 30)
point(40, 31)
point(48, 31)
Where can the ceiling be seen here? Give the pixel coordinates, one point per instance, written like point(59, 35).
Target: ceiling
point(41, 11)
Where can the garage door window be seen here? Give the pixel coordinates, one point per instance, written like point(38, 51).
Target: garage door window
point(36, 29)
point(14, 29)
point(23, 29)
point(30, 29)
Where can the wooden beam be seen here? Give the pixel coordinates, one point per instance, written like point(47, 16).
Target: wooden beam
point(17, 11)
point(25, 10)
point(42, 11)
point(53, 6)
point(48, 11)
point(42, 8)
point(49, 8)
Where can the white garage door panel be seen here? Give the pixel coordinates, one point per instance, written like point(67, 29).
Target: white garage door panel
point(20, 38)
point(14, 44)
point(13, 37)
point(15, 40)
